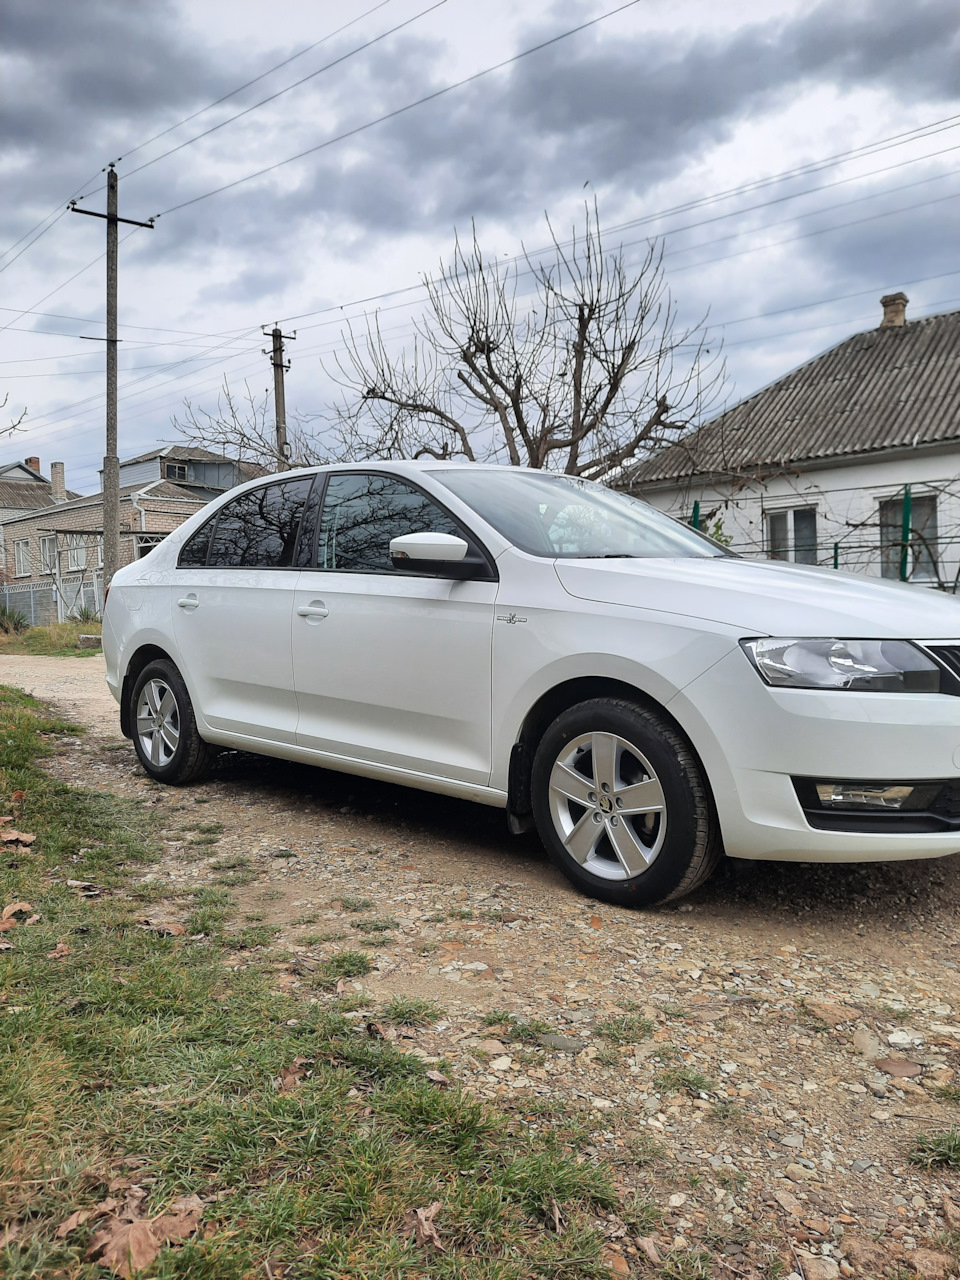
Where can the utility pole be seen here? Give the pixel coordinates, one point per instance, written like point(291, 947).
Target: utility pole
point(279, 400)
point(111, 459)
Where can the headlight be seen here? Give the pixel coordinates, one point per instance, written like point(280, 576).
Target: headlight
point(884, 666)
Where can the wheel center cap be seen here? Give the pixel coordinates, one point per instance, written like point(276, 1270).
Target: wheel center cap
point(606, 804)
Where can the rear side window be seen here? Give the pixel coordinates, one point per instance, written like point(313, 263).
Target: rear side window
point(256, 530)
point(193, 554)
point(361, 513)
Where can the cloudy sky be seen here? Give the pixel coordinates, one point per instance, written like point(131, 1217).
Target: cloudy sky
point(658, 110)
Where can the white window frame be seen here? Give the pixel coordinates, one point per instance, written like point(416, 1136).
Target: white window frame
point(790, 547)
point(48, 562)
point(145, 542)
point(21, 557)
point(76, 552)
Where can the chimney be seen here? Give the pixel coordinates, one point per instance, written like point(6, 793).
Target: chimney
point(33, 463)
point(58, 484)
point(894, 310)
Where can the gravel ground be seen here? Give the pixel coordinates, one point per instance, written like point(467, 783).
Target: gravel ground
point(757, 1061)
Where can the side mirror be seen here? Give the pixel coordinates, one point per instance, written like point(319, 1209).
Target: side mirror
point(441, 555)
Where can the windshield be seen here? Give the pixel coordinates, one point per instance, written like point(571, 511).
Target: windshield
point(562, 516)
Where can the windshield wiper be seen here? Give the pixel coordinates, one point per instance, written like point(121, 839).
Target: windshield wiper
point(612, 555)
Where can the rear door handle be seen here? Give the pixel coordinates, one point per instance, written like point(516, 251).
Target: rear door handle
point(315, 609)
point(189, 602)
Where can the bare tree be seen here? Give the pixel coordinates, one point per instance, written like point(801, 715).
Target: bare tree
point(15, 423)
point(242, 427)
point(581, 373)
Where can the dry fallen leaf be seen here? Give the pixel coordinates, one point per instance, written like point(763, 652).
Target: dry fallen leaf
point(75, 1220)
point(16, 908)
point(181, 1221)
point(7, 818)
point(7, 946)
point(19, 837)
point(437, 1077)
point(419, 1224)
point(18, 798)
point(648, 1247)
point(32, 920)
point(291, 1076)
point(8, 924)
point(9, 1233)
point(59, 951)
point(125, 1247)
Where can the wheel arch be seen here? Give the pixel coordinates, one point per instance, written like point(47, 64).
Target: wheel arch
point(542, 714)
point(139, 659)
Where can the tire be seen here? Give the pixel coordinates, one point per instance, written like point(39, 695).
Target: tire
point(164, 727)
point(587, 772)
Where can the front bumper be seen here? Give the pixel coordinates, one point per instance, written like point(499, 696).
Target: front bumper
point(754, 740)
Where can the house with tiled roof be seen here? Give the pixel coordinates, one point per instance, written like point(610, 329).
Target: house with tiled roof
point(52, 553)
point(850, 461)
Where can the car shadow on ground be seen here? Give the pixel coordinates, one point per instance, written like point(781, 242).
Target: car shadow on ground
point(904, 896)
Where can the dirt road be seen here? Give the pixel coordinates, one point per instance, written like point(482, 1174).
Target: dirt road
point(757, 1061)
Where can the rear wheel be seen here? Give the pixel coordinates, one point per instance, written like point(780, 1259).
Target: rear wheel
point(621, 804)
point(164, 727)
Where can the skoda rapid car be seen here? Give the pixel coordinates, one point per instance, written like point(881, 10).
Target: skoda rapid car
point(552, 648)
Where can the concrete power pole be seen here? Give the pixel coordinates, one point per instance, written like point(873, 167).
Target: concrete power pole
point(111, 459)
point(279, 399)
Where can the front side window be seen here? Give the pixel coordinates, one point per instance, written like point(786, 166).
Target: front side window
point(76, 551)
point(257, 529)
point(48, 553)
point(361, 513)
point(922, 554)
point(561, 516)
point(21, 556)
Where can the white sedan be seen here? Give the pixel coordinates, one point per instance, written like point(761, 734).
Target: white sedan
point(557, 650)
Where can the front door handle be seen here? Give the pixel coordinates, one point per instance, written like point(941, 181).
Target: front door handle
point(189, 602)
point(315, 609)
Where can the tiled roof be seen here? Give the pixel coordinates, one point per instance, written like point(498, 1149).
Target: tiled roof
point(888, 388)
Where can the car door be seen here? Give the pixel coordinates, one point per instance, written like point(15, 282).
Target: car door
point(392, 667)
point(233, 595)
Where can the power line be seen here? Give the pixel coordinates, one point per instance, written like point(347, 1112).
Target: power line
point(399, 111)
point(56, 214)
point(256, 79)
point(280, 92)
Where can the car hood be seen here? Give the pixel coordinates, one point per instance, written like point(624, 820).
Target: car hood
point(766, 597)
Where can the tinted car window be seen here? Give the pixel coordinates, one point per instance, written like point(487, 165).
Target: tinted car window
point(194, 550)
point(361, 513)
point(258, 529)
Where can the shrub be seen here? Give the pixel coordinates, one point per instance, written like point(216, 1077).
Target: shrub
point(12, 621)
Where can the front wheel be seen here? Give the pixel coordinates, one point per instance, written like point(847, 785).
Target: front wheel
point(621, 804)
point(164, 727)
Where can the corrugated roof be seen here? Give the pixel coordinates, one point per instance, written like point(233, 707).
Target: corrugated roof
point(884, 389)
point(19, 493)
point(177, 453)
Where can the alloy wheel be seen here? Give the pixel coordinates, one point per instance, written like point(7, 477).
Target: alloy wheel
point(607, 806)
point(158, 722)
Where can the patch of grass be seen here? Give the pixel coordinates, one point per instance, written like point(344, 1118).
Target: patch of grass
point(683, 1080)
point(139, 1043)
point(409, 1011)
point(627, 1029)
point(375, 926)
point(896, 1015)
point(674, 1011)
point(232, 862)
point(529, 1031)
point(344, 964)
point(730, 1116)
point(352, 1003)
point(644, 1149)
point(356, 904)
point(689, 1264)
point(942, 1150)
point(311, 919)
point(947, 1092)
point(496, 1017)
point(254, 935)
point(56, 641)
point(235, 879)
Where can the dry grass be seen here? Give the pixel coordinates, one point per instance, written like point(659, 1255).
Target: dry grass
point(56, 641)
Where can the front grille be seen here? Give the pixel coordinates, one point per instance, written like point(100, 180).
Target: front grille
point(947, 803)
